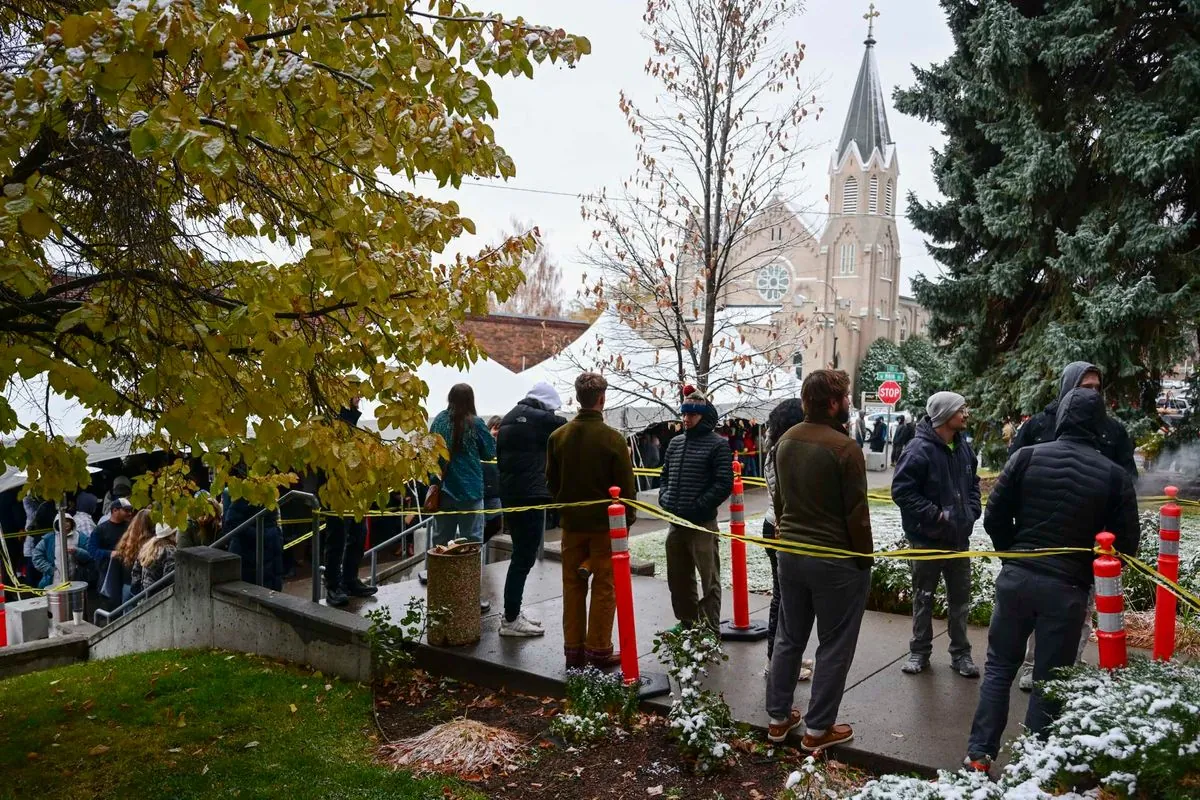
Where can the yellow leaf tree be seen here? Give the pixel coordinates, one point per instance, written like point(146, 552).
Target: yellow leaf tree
point(205, 232)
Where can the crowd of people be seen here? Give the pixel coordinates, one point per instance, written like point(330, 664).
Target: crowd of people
point(815, 471)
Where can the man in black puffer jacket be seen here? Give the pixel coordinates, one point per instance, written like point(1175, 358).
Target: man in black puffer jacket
point(697, 476)
point(936, 487)
point(1113, 440)
point(521, 458)
point(1057, 494)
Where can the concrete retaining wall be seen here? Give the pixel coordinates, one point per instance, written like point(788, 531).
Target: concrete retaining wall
point(209, 606)
point(17, 659)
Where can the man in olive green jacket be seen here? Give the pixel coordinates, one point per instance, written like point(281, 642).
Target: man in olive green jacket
point(820, 501)
point(583, 459)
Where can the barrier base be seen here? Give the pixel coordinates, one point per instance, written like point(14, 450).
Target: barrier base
point(485, 606)
point(653, 684)
point(756, 632)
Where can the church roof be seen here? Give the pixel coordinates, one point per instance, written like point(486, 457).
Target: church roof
point(866, 123)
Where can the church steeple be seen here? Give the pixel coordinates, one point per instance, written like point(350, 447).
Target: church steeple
point(866, 123)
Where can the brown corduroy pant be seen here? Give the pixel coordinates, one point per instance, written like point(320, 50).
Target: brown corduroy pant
point(587, 633)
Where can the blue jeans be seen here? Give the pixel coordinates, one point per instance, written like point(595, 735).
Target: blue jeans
point(1027, 602)
point(525, 527)
point(458, 526)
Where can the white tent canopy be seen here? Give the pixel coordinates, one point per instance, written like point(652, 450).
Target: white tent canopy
point(497, 389)
point(35, 403)
point(644, 379)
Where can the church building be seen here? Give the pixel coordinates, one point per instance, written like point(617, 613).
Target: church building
point(843, 283)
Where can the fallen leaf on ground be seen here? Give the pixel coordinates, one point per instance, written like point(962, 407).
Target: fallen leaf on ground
point(228, 658)
point(292, 706)
point(205, 770)
point(98, 750)
point(88, 705)
point(249, 745)
point(175, 750)
point(181, 723)
point(655, 791)
point(54, 683)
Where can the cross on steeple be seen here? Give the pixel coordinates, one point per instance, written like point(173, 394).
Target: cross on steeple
point(870, 18)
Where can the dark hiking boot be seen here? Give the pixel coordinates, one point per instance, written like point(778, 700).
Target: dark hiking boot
point(335, 597)
point(965, 666)
point(916, 663)
point(356, 588)
point(605, 660)
point(978, 764)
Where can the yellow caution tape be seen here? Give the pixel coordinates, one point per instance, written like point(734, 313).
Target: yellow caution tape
point(1162, 580)
point(507, 509)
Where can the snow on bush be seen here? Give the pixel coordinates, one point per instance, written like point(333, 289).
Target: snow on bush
point(1132, 733)
point(700, 720)
point(597, 705)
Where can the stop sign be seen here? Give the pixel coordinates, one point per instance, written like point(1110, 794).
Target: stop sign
point(888, 392)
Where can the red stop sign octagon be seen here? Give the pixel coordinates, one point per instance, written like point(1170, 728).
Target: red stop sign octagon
point(889, 392)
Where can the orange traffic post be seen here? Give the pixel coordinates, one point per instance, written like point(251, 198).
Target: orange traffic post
point(1110, 605)
point(1168, 566)
point(742, 628)
point(618, 532)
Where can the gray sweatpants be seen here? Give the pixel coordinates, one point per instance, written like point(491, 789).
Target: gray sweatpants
point(832, 593)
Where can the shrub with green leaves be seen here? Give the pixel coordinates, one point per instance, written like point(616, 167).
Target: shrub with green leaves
point(391, 643)
point(700, 720)
point(596, 703)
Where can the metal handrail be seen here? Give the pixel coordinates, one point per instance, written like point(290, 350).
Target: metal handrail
point(374, 551)
point(225, 537)
point(255, 518)
point(137, 598)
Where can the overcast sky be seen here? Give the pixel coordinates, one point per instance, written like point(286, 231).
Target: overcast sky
point(568, 137)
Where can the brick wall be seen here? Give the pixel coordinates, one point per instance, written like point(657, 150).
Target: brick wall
point(520, 342)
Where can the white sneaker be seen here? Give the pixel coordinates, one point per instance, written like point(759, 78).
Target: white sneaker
point(519, 627)
point(1026, 681)
point(537, 623)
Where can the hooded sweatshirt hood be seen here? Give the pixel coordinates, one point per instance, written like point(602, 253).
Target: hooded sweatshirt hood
point(1073, 374)
point(1081, 415)
point(545, 394)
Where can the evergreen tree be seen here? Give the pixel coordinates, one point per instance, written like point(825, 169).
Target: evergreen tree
point(1071, 177)
point(927, 372)
point(881, 354)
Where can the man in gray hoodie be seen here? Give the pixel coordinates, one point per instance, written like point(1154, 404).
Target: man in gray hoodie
point(1112, 440)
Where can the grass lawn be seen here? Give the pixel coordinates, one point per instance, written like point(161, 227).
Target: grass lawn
point(194, 724)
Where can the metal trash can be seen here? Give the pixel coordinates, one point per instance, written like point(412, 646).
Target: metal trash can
point(67, 602)
point(452, 596)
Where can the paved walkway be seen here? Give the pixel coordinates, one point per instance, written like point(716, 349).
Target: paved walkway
point(902, 723)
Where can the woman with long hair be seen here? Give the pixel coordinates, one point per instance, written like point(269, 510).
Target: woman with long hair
point(136, 535)
point(468, 443)
point(156, 558)
point(783, 417)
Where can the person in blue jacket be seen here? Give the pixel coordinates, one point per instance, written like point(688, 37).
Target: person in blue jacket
point(45, 553)
point(469, 443)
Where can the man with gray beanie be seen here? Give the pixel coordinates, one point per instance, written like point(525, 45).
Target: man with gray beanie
point(936, 486)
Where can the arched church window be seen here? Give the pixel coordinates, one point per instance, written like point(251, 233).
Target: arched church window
point(850, 196)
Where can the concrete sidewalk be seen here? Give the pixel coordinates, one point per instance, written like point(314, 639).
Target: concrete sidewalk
point(902, 723)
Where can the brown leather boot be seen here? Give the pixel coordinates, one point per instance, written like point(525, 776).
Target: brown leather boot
point(838, 734)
